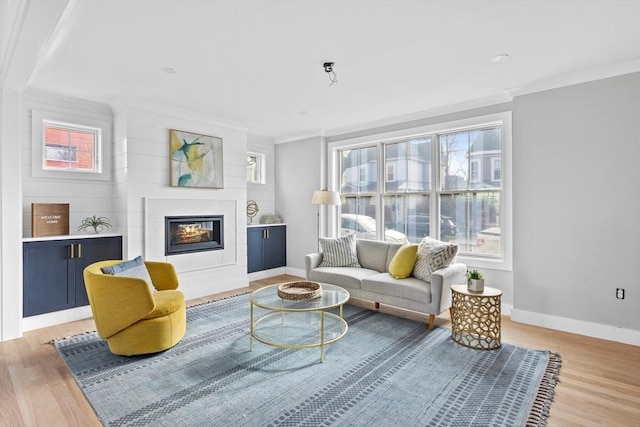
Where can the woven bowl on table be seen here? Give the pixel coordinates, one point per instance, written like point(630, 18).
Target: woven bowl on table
point(299, 290)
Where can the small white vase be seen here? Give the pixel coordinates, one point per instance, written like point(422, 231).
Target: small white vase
point(475, 285)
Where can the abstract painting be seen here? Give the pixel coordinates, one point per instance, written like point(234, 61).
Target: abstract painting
point(196, 160)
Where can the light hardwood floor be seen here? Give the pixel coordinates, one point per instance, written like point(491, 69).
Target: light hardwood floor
point(599, 381)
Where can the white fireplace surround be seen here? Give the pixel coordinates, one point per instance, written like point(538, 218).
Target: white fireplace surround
point(154, 228)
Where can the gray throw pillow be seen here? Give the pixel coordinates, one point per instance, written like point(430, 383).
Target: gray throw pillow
point(340, 252)
point(433, 255)
point(132, 268)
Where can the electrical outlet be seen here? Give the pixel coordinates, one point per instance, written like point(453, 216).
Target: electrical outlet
point(620, 293)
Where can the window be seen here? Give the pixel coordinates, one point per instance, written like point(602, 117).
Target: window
point(256, 168)
point(471, 200)
point(460, 200)
point(70, 146)
point(358, 188)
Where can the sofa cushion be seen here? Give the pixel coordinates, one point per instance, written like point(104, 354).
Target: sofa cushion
point(433, 255)
point(132, 268)
point(409, 288)
point(348, 277)
point(373, 254)
point(339, 252)
point(403, 261)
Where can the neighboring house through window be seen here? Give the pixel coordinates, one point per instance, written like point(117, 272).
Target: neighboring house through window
point(70, 146)
point(461, 200)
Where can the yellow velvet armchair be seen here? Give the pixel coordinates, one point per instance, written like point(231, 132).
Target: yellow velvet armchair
point(129, 316)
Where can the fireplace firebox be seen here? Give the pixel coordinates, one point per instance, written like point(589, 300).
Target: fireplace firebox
point(184, 234)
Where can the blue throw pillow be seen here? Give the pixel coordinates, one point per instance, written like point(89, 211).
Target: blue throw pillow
point(132, 268)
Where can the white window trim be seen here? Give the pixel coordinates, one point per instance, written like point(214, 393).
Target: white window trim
point(504, 119)
point(103, 152)
point(262, 159)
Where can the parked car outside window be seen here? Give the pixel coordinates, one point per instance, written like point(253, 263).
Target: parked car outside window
point(365, 228)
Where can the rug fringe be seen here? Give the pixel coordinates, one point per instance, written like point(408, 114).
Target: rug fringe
point(53, 341)
point(546, 392)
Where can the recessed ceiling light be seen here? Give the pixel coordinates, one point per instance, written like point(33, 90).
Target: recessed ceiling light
point(302, 113)
point(168, 70)
point(500, 58)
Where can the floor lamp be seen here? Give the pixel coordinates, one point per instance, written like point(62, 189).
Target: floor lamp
point(324, 197)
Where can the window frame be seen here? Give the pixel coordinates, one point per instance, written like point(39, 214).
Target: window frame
point(73, 122)
point(503, 119)
point(262, 168)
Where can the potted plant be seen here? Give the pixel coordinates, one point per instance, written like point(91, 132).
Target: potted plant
point(97, 223)
point(475, 281)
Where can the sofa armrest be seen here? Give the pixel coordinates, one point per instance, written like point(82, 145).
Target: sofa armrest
point(441, 281)
point(312, 261)
point(163, 275)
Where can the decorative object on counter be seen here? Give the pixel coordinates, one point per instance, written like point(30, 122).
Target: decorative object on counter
point(475, 281)
point(252, 210)
point(270, 219)
point(302, 290)
point(95, 222)
point(49, 219)
point(196, 160)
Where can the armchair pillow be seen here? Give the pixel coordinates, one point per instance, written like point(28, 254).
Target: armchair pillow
point(339, 252)
point(433, 255)
point(403, 261)
point(132, 268)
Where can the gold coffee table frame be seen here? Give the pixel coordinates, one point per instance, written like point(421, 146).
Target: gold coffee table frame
point(475, 317)
point(293, 323)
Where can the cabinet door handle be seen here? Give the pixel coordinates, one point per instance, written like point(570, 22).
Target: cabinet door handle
point(79, 250)
point(267, 233)
point(73, 255)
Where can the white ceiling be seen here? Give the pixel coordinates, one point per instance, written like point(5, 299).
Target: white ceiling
point(259, 63)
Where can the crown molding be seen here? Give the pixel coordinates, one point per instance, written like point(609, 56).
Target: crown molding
point(434, 112)
point(300, 137)
point(121, 106)
point(575, 78)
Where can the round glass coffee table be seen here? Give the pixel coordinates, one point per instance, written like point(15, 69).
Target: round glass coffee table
point(297, 323)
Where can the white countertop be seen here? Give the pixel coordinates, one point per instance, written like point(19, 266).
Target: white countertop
point(69, 237)
point(266, 225)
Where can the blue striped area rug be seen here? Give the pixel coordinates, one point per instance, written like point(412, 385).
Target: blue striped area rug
point(386, 370)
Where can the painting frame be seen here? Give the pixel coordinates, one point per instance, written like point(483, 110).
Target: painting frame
point(196, 160)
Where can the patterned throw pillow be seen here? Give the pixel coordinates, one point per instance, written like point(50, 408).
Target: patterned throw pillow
point(433, 255)
point(132, 268)
point(340, 252)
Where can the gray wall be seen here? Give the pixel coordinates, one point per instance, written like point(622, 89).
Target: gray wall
point(298, 175)
point(576, 173)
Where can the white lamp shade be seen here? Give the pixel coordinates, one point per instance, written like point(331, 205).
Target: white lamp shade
point(326, 197)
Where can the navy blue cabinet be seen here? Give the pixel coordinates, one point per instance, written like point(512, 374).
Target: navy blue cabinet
point(266, 247)
point(52, 271)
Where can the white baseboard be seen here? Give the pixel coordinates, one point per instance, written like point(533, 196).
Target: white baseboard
point(55, 318)
point(580, 327)
point(259, 275)
point(296, 272)
point(506, 309)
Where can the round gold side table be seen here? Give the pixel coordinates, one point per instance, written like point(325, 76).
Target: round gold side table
point(475, 317)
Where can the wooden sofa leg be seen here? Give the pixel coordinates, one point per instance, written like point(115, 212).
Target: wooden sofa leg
point(377, 306)
point(432, 319)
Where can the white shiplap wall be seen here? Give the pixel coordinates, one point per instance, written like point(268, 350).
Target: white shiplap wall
point(141, 171)
point(85, 197)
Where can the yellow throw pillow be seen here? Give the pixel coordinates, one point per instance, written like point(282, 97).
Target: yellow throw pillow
point(403, 261)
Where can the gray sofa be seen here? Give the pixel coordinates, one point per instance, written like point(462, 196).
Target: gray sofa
point(372, 281)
